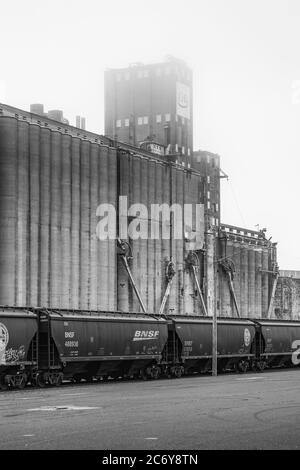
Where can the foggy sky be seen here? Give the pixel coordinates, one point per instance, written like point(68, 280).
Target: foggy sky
point(245, 55)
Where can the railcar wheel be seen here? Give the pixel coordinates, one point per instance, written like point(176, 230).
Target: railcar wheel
point(243, 366)
point(40, 381)
point(58, 381)
point(21, 381)
point(261, 365)
point(3, 384)
point(178, 372)
point(76, 379)
point(155, 373)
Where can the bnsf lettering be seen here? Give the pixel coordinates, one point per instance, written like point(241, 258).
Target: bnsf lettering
point(144, 334)
point(69, 334)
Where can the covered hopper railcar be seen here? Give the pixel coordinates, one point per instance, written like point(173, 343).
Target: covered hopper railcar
point(277, 343)
point(18, 347)
point(87, 345)
point(43, 347)
point(189, 346)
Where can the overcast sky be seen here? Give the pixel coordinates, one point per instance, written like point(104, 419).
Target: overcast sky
point(245, 55)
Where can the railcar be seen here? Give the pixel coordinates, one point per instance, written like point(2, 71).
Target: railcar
point(44, 347)
point(18, 347)
point(276, 343)
point(87, 345)
point(189, 347)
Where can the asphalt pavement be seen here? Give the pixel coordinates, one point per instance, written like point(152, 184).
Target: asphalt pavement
point(252, 411)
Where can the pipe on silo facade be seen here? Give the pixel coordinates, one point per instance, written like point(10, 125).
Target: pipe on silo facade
point(21, 231)
point(85, 256)
point(265, 282)
point(112, 246)
point(34, 214)
point(229, 304)
point(244, 280)
point(124, 190)
point(45, 218)
point(102, 244)
point(8, 192)
point(55, 221)
point(66, 209)
point(94, 201)
point(161, 246)
point(251, 282)
point(136, 244)
point(189, 283)
point(258, 281)
point(75, 224)
point(237, 274)
point(144, 274)
point(179, 243)
point(174, 293)
point(151, 183)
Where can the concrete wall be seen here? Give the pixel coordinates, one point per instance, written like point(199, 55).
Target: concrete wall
point(287, 298)
point(150, 181)
point(51, 184)
point(253, 259)
point(147, 91)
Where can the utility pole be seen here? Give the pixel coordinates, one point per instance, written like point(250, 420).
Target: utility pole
point(215, 330)
point(211, 291)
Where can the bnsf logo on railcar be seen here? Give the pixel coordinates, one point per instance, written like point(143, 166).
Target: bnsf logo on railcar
point(141, 335)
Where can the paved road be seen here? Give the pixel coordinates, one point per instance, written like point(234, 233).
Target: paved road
point(228, 412)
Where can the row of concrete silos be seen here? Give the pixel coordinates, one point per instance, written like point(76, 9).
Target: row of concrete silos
point(51, 185)
point(252, 277)
point(152, 181)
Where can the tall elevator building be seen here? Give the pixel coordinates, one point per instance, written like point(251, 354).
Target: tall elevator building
point(151, 103)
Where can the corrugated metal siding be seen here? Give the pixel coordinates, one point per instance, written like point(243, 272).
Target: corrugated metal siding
point(51, 185)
